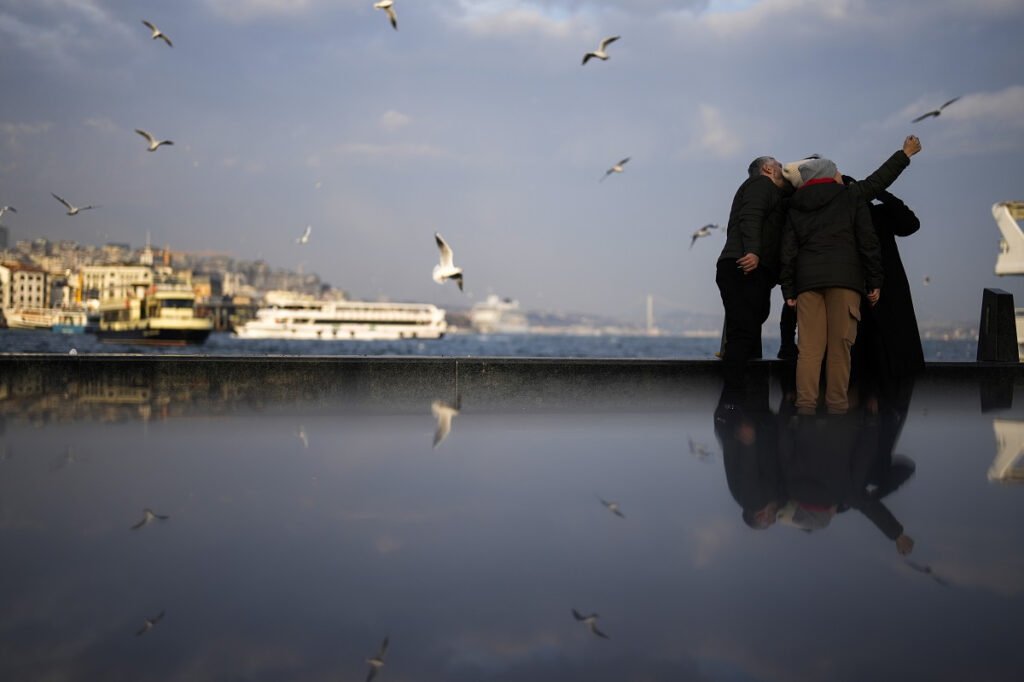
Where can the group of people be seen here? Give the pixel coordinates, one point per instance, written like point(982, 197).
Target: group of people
point(816, 232)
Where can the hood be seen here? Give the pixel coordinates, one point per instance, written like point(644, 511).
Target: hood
point(814, 197)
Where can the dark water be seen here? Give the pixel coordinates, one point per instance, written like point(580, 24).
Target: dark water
point(454, 345)
point(307, 523)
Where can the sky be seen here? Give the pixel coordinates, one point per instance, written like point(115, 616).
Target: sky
point(478, 121)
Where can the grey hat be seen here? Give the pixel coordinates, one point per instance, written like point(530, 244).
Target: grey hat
point(816, 169)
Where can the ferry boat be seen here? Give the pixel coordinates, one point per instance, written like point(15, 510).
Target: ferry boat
point(161, 315)
point(310, 319)
point(498, 316)
point(63, 320)
point(1011, 252)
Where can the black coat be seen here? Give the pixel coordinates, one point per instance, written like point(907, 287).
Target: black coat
point(888, 341)
point(755, 223)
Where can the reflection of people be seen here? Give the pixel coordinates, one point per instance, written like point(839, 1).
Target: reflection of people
point(747, 432)
point(748, 266)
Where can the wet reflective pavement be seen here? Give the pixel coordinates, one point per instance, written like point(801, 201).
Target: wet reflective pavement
point(284, 521)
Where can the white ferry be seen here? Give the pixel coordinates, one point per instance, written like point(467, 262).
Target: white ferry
point(308, 319)
point(64, 320)
point(160, 315)
point(498, 316)
point(1011, 252)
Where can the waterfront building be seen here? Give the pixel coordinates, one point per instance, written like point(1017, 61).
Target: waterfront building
point(23, 286)
point(105, 282)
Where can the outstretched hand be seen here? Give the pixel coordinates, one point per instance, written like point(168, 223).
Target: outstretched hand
point(911, 145)
point(904, 544)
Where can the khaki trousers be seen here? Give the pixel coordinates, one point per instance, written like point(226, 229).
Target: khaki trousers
point(826, 320)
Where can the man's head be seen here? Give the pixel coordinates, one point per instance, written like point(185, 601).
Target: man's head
point(767, 166)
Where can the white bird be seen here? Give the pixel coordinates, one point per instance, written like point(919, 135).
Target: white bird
point(702, 232)
point(386, 5)
point(599, 53)
point(446, 269)
point(153, 143)
point(148, 625)
point(305, 235)
point(617, 168)
point(157, 33)
point(591, 622)
point(613, 507)
point(377, 662)
point(4, 209)
point(72, 210)
point(147, 518)
point(443, 413)
point(936, 112)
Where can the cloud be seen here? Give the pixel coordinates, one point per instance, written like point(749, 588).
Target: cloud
point(14, 132)
point(392, 150)
point(102, 124)
point(60, 30)
point(392, 120)
point(715, 136)
point(1004, 108)
point(249, 10)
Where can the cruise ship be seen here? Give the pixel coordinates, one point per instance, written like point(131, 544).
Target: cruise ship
point(498, 316)
point(294, 317)
point(160, 315)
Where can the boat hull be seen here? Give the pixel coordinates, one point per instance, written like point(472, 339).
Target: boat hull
point(154, 337)
point(339, 332)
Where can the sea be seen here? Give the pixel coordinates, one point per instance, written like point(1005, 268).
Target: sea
point(452, 345)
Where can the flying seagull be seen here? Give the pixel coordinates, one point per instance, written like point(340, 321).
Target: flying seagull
point(613, 507)
point(702, 232)
point(153, 143)
point(4, 209)
point(387, 6)
point(599, 53)
point(617, 168)
point(147, 518)
point(445, 269)
point(72, 210)
point(377, 662)
point(935, 112)
point(591, 622)
point(148, 625)
point(305, 235)
point(443, 413)
point(157, 33)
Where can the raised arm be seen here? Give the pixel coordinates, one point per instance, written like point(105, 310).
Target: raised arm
point(886, 174)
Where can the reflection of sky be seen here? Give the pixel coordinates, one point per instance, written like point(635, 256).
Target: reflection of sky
point(282, 561)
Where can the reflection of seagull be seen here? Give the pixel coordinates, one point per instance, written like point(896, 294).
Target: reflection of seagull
point(72, 210)
point(591, 622)
point(157, 33)
point(446, 269)
point(302, 436)
point(305, 235)
point(613, 507)
point(927, 570)
point(927, 280)
point(702, 232)
point(443, 412)
point(153, 143)
point(599, 53)
point(936, 112)
point(617, 168)
point(148, 625)
point(4, 209)
point(147, 518)
point(377, 662)
point(386, 5)
point(699, 450)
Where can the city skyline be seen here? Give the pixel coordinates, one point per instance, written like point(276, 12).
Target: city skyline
point(476, 120)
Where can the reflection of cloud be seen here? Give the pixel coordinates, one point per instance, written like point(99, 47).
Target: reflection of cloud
point(392, 120)
point(1003, 576)
point(710, 538)
point(388, 544)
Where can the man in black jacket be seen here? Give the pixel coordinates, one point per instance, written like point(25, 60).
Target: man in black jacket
point(748, 266)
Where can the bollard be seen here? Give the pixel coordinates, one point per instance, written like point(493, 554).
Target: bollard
point(997, 331)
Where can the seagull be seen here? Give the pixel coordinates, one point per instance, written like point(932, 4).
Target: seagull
point(613, 507)
point(72, 210)
point(153, 144)
point(386, 5)
point(157, 33)
point(936, 112)
point(446, 270)
point(443, 412)
point(147, 517)
point(702, 232)
point(148, 625)
point(617, 168)
point(305, 235)
point(4, 209)
point(591, 622)
point(599, 53)
point(377, 662)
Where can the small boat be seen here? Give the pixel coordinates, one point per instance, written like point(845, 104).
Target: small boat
point(30, 318)
point(70, 321)
point(163, 315)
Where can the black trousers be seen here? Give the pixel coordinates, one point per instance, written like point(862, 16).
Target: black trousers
point(747, 301)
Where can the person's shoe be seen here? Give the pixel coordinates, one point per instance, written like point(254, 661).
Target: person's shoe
point(787, 352)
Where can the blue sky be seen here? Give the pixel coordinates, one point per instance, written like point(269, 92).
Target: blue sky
point(476, 119)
